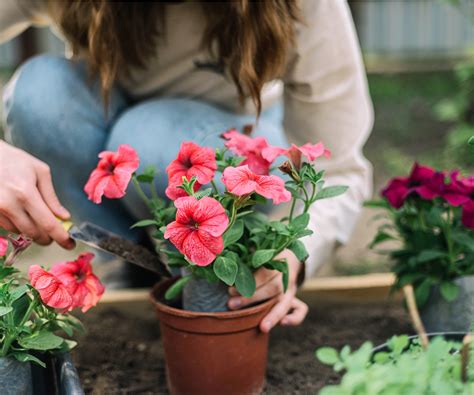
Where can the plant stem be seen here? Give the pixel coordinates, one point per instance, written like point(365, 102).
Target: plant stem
point(233, 215)
point(140, 192)
point(447, 236)
point(154, 192)
point(292, 209)
point(214, 186)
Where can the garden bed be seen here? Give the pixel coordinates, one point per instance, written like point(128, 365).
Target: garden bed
point(122, 354)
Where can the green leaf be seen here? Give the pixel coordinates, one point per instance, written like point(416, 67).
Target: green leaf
point(42, 341)
point(20, 306)
point(66, 327)
point(381, 203)
point(5, 310)
point(471, 140)
point(429, 255)
point(226, 269)
point(145, 222)
point(261, 257)
point(449, 291)
point(327, 355)
point(299, 250)
point(176, 289)
point(422, 292)
point(332, 191)
point(245, 282)
point(25, 357)
point(203, 193)
point(233, 234)
point(18, 292)
point(300, 222)
point(281, 266)
point(464, 239)
point(380, 238)
point(148, 174)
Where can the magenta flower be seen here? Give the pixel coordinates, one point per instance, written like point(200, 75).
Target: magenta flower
point(3, 246)
point(192, 161)
point(423, 181)
point(251, 149)
point(242, 181)
point(112, 175)
point(294, 153)
point(457, 191)
point(197, 231)
point(467, 217)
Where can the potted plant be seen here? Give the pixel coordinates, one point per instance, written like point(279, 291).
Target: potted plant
point(210, 230)
point(430, 224)
point(35, 323)
point(403, 366)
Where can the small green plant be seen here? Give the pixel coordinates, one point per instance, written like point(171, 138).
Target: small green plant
point(404, 368)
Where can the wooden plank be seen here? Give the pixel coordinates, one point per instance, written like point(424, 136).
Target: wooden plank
point(371, 288)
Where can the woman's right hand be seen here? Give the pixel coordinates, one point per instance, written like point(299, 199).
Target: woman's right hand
point(28, 202)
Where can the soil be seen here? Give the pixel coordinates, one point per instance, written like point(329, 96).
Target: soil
point(122, 353)
point(134, 253)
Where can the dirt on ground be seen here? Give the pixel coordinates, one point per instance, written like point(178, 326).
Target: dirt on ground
point(122, 353)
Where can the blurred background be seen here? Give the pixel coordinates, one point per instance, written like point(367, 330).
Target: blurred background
point(419, 56)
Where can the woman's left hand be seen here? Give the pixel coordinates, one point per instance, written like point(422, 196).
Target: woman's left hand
point(289, 310)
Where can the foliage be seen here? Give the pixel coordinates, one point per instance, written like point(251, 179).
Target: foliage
point(28, 326)
point(429, 242)
point(251, 240)
point(405, 368)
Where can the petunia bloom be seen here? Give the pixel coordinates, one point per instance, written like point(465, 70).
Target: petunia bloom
point(3, 246)
point(85, 288)
point(422, 181)
point(250, 148)
point(192, 161)
point(113, 174)
point(197, 231)
point(52, 291)
point(294, 153)
point(242, 181)
point(19, 244)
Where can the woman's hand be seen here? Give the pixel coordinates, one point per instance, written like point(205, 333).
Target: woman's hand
point(289, 310)
point(28, 203)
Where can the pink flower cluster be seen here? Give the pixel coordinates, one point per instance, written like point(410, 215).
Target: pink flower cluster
point(199, 225)
point(429, 184)
point(68, 285)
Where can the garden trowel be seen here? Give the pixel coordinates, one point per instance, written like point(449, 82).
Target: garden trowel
point(104, 240)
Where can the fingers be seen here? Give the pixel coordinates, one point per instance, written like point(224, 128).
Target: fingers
point(288, 311)
point(21, 221)
point(48, 225)
point(297, 313)
point(276, 314)
point(6, 224)
point(46, 189)
point(272, 287)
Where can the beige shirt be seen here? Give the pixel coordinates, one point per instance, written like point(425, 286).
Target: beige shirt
point(324, 90)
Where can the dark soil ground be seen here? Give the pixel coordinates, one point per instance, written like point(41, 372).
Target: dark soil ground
point(122, 354)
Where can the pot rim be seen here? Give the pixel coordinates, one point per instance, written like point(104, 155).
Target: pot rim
point(225, 315)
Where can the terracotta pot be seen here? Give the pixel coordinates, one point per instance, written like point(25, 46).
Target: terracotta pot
point(212, 353)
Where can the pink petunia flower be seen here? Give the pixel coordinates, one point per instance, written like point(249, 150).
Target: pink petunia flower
point(294, 153)
point(250, 148)
point(192, 161)
point(242, 181)
point(52, 291)
point(197, 231)
point(112, 175)
point(421, 181)
point(84, 286)
point(457, 191)
point(3, 246)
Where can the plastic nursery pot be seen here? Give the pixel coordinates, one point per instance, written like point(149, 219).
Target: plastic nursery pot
point(58, 378)
point(438, 315)
point(212, 353)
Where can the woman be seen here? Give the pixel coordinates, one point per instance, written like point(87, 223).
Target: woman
point(169, 72)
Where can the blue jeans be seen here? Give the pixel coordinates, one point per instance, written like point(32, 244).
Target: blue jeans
point(54, 113)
